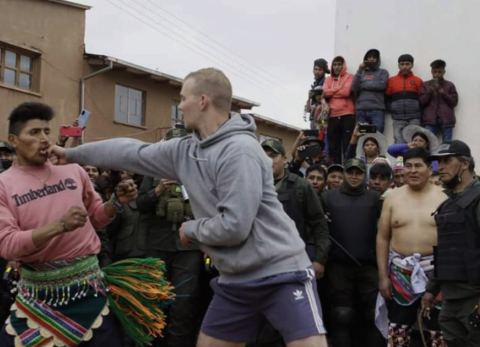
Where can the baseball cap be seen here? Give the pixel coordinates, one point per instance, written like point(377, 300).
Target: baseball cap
point(456, 148)
point(335, 167)
point(274, 145)
point(4, 145)
point(355, 162)
point(311, 140)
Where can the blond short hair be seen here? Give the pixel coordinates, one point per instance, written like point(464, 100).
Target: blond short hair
point(215, 84)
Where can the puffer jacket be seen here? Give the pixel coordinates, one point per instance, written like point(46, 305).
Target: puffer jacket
point(438, 107)
point(337, 91)
point(402, 92)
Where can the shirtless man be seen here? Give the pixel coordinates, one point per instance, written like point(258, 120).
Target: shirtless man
point(405, 240)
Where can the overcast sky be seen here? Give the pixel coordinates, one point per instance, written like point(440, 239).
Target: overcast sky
point(266, 47)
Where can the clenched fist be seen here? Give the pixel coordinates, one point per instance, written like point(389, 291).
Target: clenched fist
point(126, 191)
point(76, 217)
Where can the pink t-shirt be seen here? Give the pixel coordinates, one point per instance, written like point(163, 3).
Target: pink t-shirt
point(32, 197)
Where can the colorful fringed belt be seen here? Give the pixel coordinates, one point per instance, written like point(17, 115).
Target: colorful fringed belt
point(60, 303)
point(61, 285)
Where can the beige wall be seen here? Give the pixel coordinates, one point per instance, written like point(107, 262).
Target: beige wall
point(100, 101)
point(57, 32)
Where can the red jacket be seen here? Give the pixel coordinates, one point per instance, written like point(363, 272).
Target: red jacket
point(402, 92)
point(337, 91)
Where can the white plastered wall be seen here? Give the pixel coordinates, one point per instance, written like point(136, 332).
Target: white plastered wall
point(427, 29)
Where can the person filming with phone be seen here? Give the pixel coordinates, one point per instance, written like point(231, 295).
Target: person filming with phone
point(307, 150)
point(366, 143)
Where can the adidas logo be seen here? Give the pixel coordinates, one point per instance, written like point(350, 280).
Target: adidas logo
point(298, 295)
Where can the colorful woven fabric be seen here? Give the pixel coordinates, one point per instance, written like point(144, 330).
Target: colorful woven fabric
point(408, 276)
point(402, 290)
point(32, 338)
point(35, 323)
point(59, 305)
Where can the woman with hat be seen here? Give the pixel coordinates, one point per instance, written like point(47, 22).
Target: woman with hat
point(366, 146)
point(419, 137)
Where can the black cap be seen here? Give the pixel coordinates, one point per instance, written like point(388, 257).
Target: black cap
point(355, 163)
point(311, 140)
point(321, 63)
point(405, 57)
point(456, 148)
point(6, 146)
point(274, 145)
point(335, 168)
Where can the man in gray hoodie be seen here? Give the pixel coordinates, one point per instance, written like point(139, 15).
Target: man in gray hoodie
point(369, 85)
point(239, 222)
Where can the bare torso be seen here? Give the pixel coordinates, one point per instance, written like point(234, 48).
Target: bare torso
point(413, 228)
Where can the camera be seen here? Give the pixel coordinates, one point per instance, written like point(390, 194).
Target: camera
point(310, 151)
point(313, 93)
point(367, 128)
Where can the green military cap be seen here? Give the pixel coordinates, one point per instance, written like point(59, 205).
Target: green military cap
point(355, 162)
point(274, 145)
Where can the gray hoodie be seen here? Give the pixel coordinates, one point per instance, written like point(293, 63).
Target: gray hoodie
point(369, 86)
point(239, 221)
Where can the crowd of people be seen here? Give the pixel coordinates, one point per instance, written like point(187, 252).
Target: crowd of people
point(340, 100)
point(342, 244)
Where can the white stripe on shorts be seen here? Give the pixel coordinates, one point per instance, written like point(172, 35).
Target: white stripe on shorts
point(313, 306)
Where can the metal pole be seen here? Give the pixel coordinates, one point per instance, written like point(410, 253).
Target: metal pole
point(84, 78)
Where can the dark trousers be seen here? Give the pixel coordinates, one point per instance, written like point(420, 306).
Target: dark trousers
point(5, 301)
point(183, 321)
point(454, 322)
point(339, 134)
point(352, 292)
point(404, 324)
point(108, 334)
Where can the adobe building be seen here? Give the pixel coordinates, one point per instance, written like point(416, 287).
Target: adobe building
point(131, 100)
point(42, 58)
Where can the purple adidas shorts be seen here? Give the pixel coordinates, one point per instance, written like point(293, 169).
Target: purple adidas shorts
point(289, 301)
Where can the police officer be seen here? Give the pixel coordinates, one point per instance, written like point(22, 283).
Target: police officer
point(164, 207)
point(457, 255)
point(351, 273)
point(302, 205)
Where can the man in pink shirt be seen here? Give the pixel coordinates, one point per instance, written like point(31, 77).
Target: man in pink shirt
point(48, 219)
